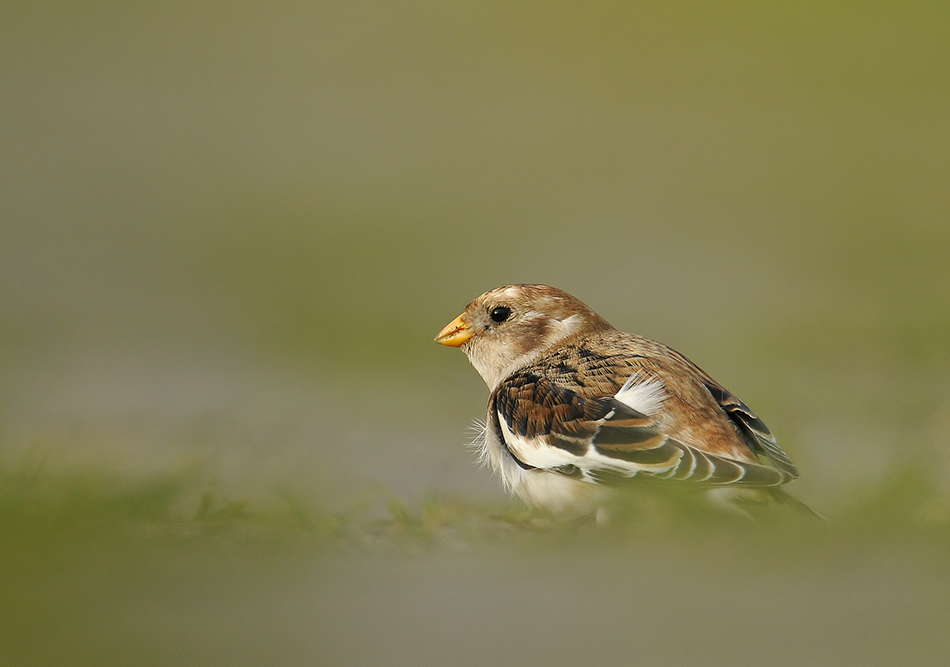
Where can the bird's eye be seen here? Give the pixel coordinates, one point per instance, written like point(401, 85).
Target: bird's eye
point(500, 314)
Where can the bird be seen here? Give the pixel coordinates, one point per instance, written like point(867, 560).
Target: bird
point(577, 407)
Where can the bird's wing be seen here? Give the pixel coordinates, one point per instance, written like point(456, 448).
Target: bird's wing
point(755, 433)
point(548, 426)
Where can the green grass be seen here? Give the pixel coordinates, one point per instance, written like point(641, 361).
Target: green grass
point(39, 505)
point(98, 568)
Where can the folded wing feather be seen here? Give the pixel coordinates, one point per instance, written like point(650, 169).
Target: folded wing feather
point(547, 426)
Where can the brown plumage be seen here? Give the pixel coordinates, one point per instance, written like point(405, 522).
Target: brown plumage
point(575, 403)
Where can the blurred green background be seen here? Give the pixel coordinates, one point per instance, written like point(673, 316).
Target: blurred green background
point(230, 231)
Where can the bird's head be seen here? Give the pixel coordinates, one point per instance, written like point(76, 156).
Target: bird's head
point(506, 328)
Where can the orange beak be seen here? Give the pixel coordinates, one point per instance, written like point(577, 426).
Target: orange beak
point(455, 332)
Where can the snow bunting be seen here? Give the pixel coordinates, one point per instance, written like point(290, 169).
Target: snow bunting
point(577, 405)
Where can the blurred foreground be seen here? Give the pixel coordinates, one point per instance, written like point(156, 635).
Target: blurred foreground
point(98, 571)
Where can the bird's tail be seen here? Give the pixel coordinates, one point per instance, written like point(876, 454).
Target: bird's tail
point(791, 501)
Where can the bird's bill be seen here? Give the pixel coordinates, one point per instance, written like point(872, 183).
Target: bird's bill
point(455, 332)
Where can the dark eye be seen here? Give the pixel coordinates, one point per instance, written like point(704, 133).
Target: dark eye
point(500, 314)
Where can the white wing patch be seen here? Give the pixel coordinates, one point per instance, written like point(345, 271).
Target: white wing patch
point(539, 454)
point(535, 452)
point(643, 393)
